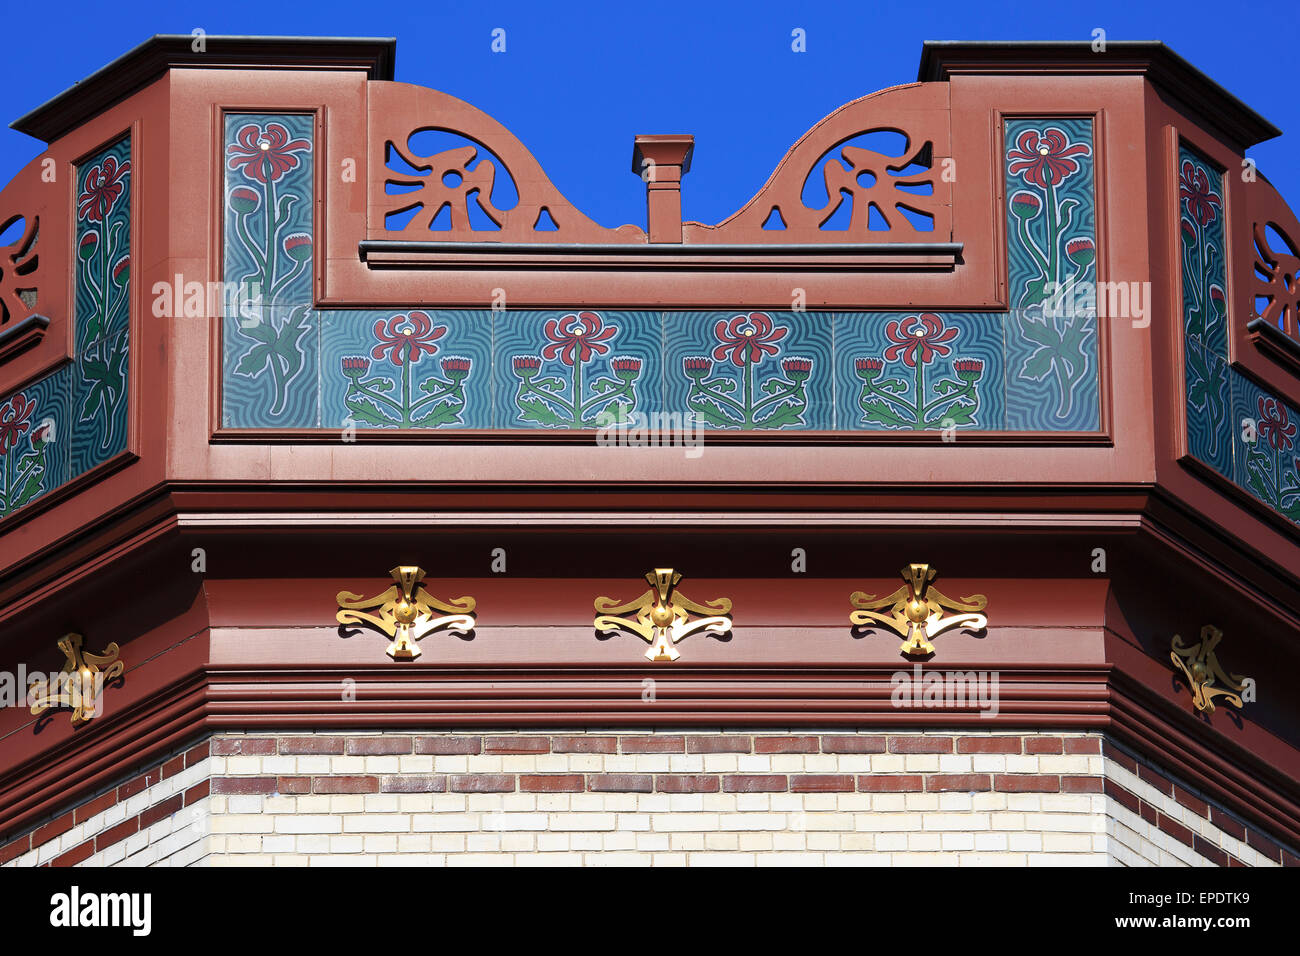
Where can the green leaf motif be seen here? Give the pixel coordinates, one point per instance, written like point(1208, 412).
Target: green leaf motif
point(367, 412)
point(956, 414)
point(1038, 365)
point(1035, 293)
point(895, 386)
point(785, 415)
point(879, 412)
point(534, 410)
point(614, 413)
point(1040, 332)
point(253, 361)
point(711, 412)
point(443, 413)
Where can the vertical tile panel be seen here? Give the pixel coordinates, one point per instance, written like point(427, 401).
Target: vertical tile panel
point(1052, 350)
point(270, 351)
point(101, 369)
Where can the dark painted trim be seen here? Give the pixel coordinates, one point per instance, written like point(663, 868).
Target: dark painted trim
point(151, 59)
point(22, 335)
point(367, 246)
point(1169, 72)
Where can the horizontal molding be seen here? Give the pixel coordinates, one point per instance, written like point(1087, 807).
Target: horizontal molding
point(1239, 780)
point(679, 257)
point(670, 439)
point(22, 335)
point(618, 520)
point(1275, 343)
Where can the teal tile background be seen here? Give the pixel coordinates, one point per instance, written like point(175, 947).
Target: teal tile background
point(973, 399)
point(545, 399)
point(1244, 432)
point(431, 393)
point(83, 405)
point(775, 399)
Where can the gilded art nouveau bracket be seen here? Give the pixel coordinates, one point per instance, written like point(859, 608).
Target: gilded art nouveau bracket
point(406, 612)
point(79, 683)
point(662, 616)
point(916, 611)
point(1205, 675)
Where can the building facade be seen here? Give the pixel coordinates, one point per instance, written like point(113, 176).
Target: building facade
point(365, 503)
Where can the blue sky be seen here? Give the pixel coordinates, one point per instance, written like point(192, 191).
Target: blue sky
point(579, 80)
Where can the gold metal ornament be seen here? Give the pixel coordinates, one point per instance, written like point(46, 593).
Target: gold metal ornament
point(1205, 675)
point(661, 616)
point(405, 612)
point(79, 682)
point(916, 611)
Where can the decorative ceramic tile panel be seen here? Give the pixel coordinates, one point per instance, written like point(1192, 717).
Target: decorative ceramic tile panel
point(920, 371)
point(102, 316)
point(423, 368)
point(271, 342)
point(1210, 417)
point(35, 428)
point(1209, 399)
point(1244, 432)
point(1201, 227)
point(751, 370)
point(1265, 455)
point(75, 418)
point(1052, 365)
point(290, 366)
point(578, 368)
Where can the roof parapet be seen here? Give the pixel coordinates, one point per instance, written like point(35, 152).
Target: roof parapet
point(376, 56)
point(1196, 93)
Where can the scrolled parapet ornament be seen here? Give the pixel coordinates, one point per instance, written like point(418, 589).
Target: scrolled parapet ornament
point(406, 612)
point(79, 683)
point(916, 611)
point(1277, 263)
point(662, 616)
point(1206, 677)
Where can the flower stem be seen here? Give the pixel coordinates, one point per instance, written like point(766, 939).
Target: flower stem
point(406, 385)
point(749, 390)
point(1052, 233)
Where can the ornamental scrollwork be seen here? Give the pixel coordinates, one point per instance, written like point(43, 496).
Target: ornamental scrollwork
point(80, 683)
point(662, 616)
point(918, 612)
point(406, 612)
point(1199, 664)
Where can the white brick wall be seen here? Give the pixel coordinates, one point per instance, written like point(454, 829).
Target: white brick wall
point(672, 829)
point(292, 823)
